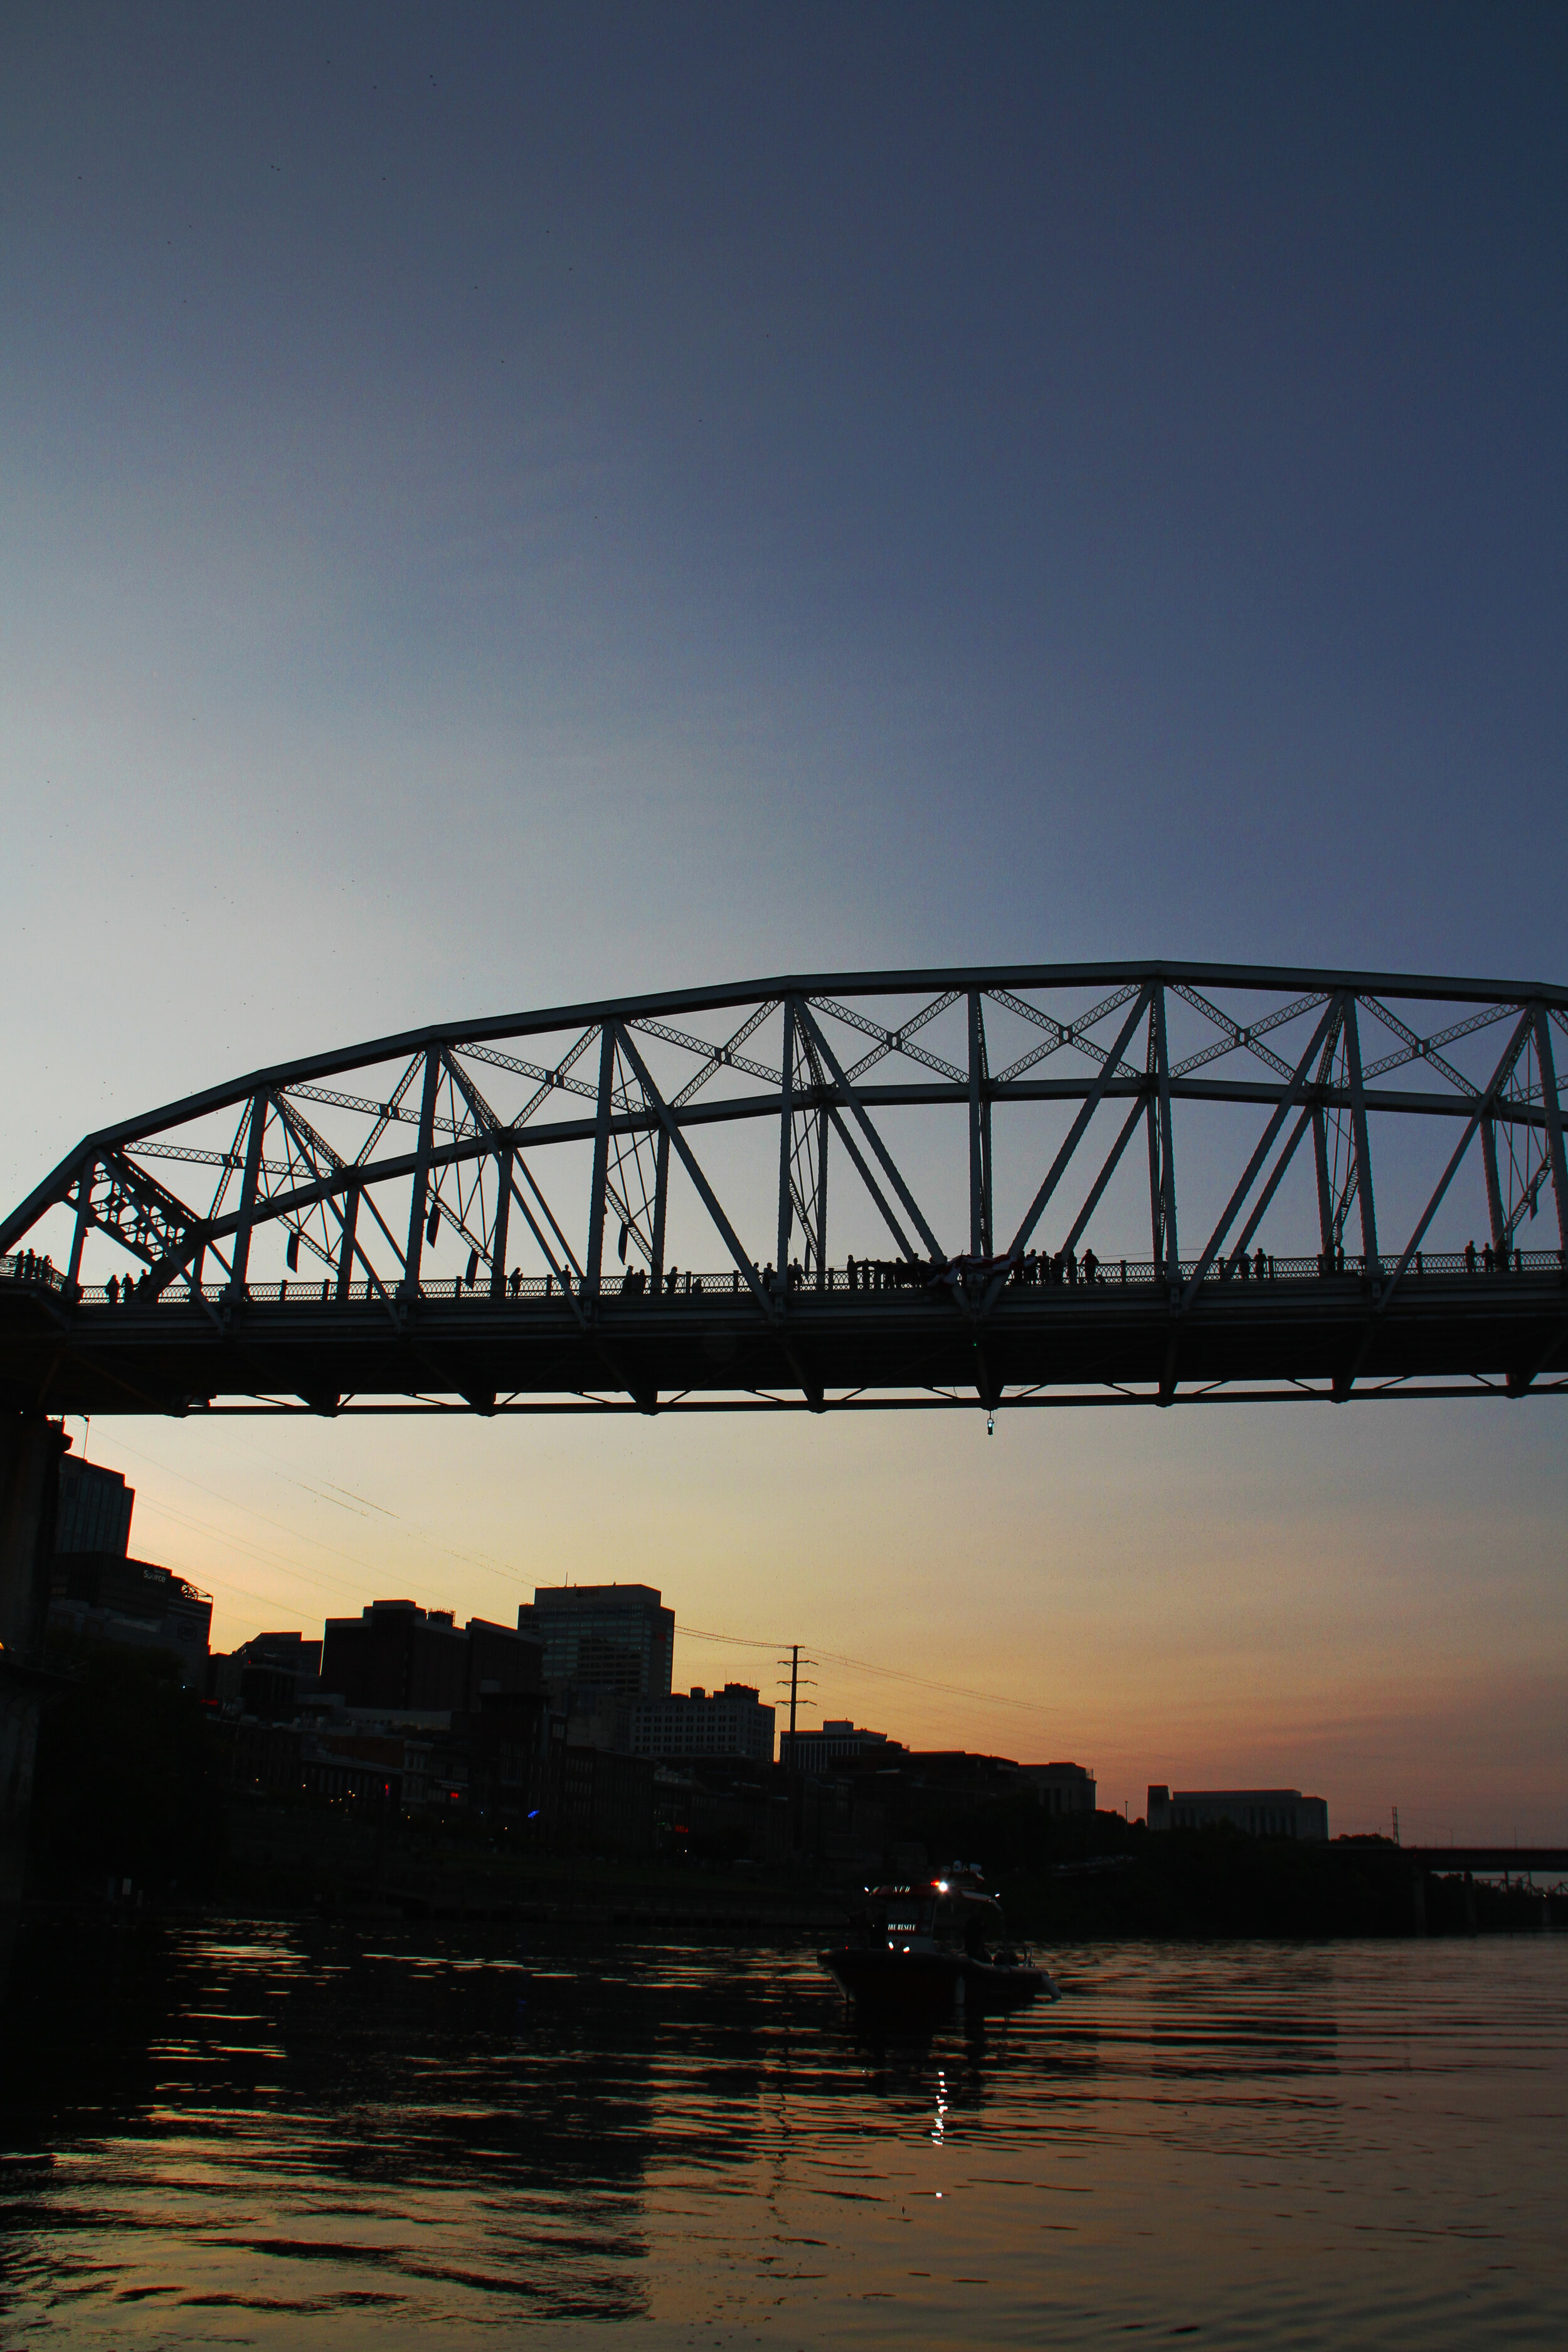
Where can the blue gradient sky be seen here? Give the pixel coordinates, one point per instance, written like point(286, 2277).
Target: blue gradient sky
point(500, 504)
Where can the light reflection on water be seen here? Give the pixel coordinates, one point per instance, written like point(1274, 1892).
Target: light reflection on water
point(298, 2135)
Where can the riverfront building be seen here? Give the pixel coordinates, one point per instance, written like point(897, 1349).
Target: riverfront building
point(97, 1594)
point(729, 1723)
point(1261, 1812)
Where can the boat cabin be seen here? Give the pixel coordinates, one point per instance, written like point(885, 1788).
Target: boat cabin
point(935, 1915)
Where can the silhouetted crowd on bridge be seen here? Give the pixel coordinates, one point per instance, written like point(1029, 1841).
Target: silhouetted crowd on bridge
point(30, 1267)
point(969, 1275)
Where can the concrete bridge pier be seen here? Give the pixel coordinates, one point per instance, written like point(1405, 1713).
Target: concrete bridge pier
point(30, 1451)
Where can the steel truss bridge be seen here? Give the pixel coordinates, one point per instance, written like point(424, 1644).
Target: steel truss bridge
point(1041, 1185)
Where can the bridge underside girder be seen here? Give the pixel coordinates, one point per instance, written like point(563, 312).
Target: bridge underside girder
point(1508, 1331)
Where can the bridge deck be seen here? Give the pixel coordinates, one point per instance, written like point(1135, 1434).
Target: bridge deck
point(827, 1348)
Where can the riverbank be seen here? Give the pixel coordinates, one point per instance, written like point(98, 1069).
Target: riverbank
point(298, 1860)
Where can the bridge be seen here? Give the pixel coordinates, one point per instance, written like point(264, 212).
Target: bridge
point(999, 1188)
point(1490, 1861)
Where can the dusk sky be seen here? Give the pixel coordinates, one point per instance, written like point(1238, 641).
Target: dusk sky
point(503, 504)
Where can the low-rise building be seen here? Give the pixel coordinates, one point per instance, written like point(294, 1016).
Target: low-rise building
point(705, 1723)
point(265, 1676)
point(603, 1803)
point(1260, 1813)
point(836, 1743)
point(290, 1653)
point(1061, 1788)
point(720, 1815)
point(395, 1653)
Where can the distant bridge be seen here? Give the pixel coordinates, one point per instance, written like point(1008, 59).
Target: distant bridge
point(1490, 1861)
point(627, 1207)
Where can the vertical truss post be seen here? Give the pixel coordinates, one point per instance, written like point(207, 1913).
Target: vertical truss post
point(1362, 1150)
point(1167, 1157)
point(1553, 1109)
point(1325, 1193)
point(822, 1200)
point(241, 1262)
point(1156, 1235)
point(501, 1222)
point(786, 1136)
point(83, 1219)
point(660, 1195)
point(1494, 1185)
point(596, 1257)
point(421, 1185)
point(977, 1243)
point(346, 1246)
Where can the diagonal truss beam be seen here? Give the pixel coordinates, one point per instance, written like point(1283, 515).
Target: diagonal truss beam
point(857, 1112)
point(1112, 1162)
point(1075, 1135)
point(1511, 1052)
point(688, 1158)
point(1552, 1104)
point(1288, 1101)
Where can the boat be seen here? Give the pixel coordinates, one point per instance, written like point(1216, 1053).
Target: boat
point(934, 1945)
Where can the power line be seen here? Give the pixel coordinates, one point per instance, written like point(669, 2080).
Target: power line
point(867, 1666)
point(690, 1632)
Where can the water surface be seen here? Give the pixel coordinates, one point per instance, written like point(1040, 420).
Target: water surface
point(301, 2136)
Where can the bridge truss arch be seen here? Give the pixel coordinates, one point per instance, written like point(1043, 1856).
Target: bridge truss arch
point(1154, 1184)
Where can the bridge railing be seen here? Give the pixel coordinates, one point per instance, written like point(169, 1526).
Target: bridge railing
point(28, 1266)
point(868, 1279)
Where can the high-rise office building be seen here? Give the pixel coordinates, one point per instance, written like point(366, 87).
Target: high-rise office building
point(617, 1638)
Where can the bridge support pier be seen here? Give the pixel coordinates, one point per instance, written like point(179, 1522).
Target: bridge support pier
point(30, 1451)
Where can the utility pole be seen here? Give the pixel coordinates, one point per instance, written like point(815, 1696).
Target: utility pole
point(797, 1685)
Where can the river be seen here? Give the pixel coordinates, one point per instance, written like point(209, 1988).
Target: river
point(308, 2136)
